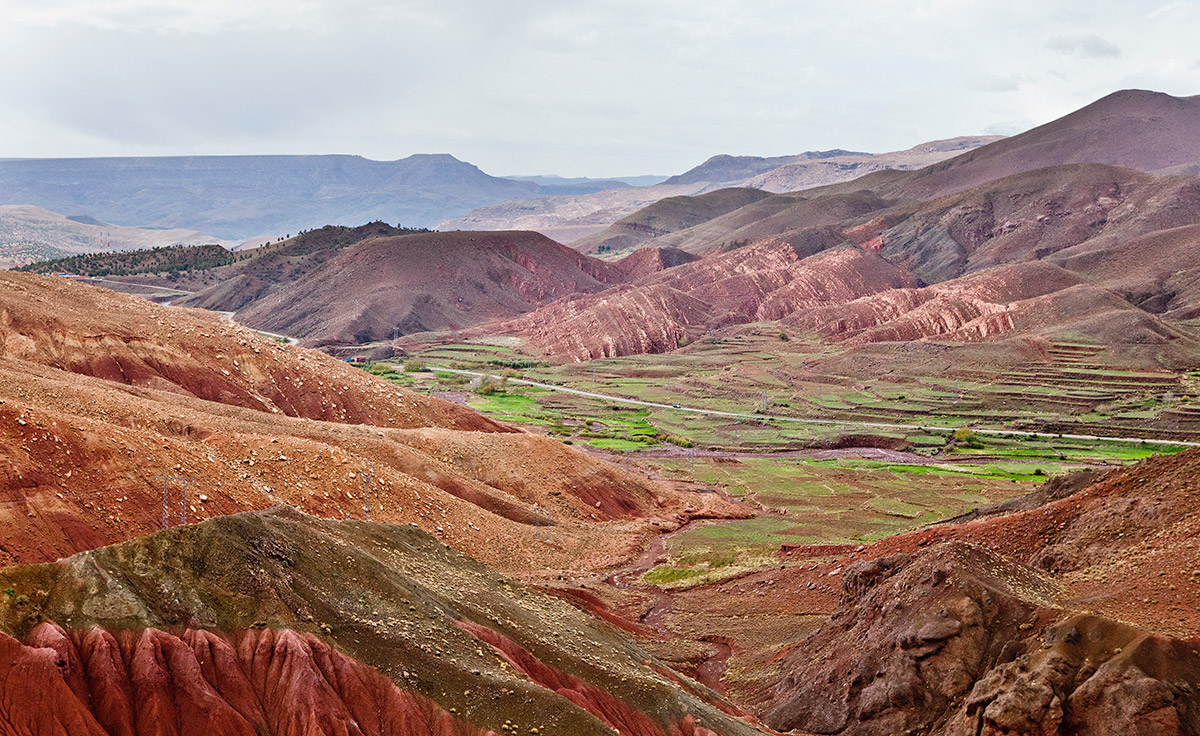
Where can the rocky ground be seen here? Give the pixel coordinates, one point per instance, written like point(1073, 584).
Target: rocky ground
point(277, 622)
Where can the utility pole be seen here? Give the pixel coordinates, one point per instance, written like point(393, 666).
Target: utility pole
point(166, 479)
point(541, 523)
point(367, 498)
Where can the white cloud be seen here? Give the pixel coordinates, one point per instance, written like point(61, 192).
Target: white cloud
point(987, 82)
point(1089, 46)
point(607, 87)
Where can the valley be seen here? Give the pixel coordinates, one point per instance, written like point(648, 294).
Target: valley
point(911, 451)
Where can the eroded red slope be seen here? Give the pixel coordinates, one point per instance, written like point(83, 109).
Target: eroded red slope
point(147, 682)
point(95, 332)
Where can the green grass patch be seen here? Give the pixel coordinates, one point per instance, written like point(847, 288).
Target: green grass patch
point(665, 575)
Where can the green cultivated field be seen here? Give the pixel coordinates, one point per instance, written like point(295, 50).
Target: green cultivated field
point(804, 496)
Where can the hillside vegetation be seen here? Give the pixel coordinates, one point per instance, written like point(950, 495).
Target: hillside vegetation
point(162, 260)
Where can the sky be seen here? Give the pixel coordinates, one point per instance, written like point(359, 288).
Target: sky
point(576, 88)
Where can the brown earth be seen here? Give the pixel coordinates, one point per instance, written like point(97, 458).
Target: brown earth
point(1071, 193)
point(91, 419)
point(959, 640)
point(1135, 129)
point(667, 216)
point(1034, 215)
point(1070, 252)
point(348, 286)
point(280, 623)
point(614, 208)
point(1028, 298)
point(378, 287)
point(1073, 610)
point(764, 281)
point(89, 331)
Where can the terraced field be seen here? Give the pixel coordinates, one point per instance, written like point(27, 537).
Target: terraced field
point(822, 502)
point(1069, 389)
point(810, 493)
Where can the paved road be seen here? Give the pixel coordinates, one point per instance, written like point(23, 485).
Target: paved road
point(798, 420)
point(290, 340)
point(176, 292)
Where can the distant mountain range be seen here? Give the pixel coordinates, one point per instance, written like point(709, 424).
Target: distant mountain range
point(237, 198)
point(240, 197)
point(553, 180)
point(570, 218)
point(1070, 230)
point(29, 234)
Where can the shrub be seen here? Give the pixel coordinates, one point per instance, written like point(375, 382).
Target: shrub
point(966, 436)
point(490, 386)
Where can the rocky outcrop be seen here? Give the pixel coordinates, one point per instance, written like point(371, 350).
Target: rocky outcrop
point(1087, 675)
point(625, 320)
point(958, 641)
point(1031, 297)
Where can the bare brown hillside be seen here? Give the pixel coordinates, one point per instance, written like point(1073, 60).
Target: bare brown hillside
point(101, 394)
point(375, 286)
point(280, 623)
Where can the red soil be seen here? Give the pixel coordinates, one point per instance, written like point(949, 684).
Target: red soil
point(618, 714)
point(422, 282)
point(94, 332)
point(81, 456)
point(1125, 547)
point(147, 682)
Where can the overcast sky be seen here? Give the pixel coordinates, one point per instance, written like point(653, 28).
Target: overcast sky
point(595, 88)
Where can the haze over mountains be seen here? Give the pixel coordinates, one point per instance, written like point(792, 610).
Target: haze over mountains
point(501, 586)
point(569, 218)
point(236, 198)
point(29, 234)
point(944, 251)
point(239, 197)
